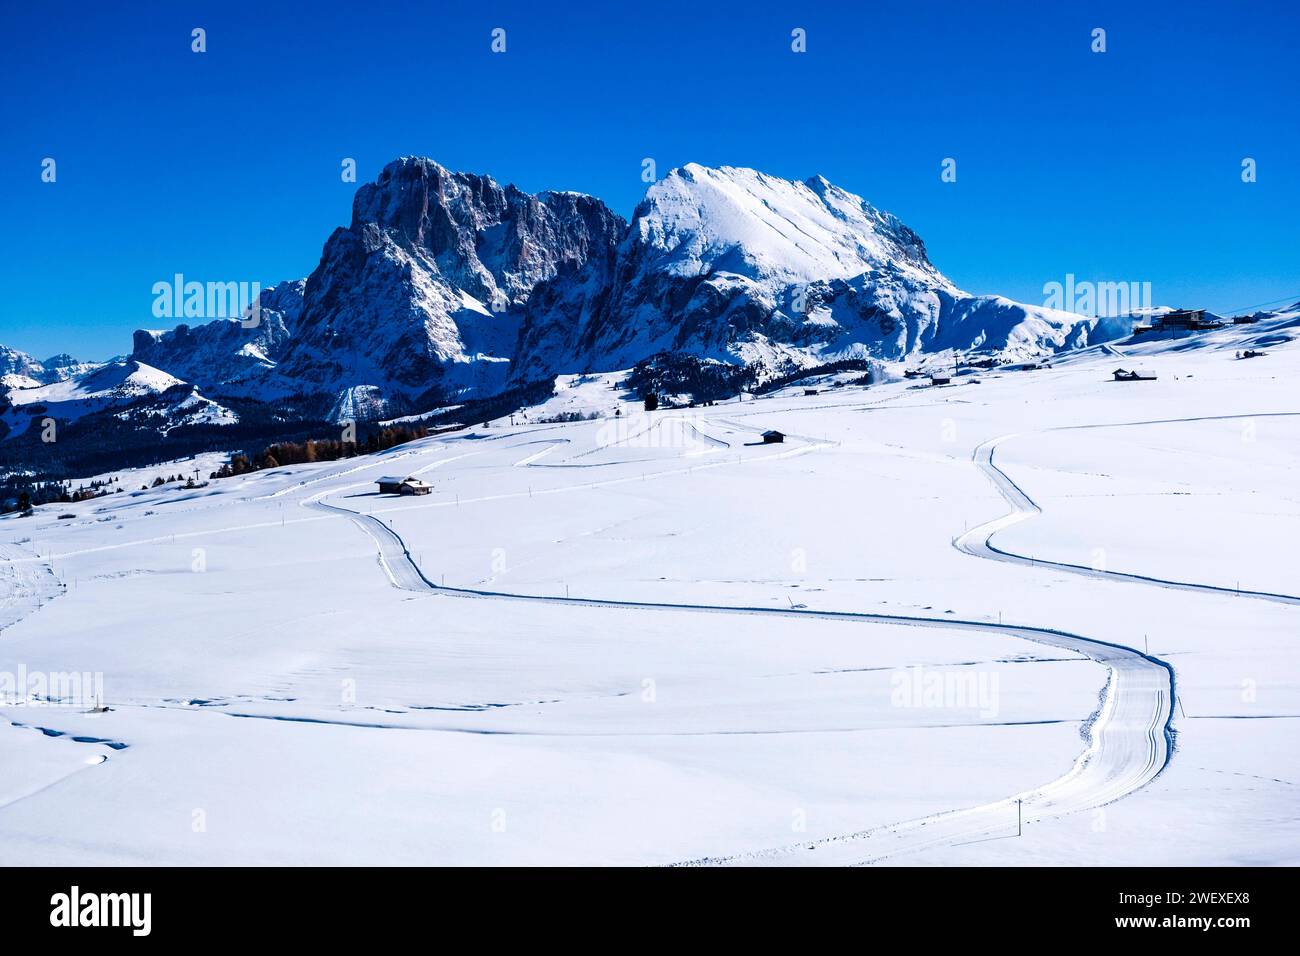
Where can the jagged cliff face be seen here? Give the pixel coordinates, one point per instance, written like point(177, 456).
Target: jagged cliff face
point(232, 356)
point(422, 290)
point(18, 369)
point(743, 267)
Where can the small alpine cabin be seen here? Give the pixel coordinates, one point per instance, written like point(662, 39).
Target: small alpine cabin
point(410, 485)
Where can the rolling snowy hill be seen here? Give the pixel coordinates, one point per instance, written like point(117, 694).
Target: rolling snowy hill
point(1048, 618)
point(128, 390)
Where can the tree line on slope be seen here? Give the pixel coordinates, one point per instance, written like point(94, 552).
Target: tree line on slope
point(319, 449)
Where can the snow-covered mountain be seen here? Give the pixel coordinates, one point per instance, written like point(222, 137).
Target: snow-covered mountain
point(230, 356)
point(128, 390)
point(448, 285)
point(20, 370)
point(420, 292)
point(736, 265)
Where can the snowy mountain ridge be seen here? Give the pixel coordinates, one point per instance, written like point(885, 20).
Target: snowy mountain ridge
point(127, 389)
point(734, 265)
point(448, 285)
point(227, 354)
point(20, 370)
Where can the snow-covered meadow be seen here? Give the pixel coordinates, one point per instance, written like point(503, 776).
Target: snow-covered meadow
point(654, 639)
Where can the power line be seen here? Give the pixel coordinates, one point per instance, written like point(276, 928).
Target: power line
point(1295, 297)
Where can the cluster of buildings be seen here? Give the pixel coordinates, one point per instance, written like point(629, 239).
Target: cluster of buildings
point(1189, 320)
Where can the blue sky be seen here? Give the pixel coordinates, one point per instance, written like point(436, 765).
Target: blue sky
point(1122, 166)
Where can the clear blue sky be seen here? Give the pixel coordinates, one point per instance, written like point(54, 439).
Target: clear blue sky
point(225, 165)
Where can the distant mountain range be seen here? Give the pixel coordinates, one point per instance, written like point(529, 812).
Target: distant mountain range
point(447, 286)
point(20, 370)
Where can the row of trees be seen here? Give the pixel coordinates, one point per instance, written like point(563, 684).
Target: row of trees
point(48, 493)
point(61, 492)
point(327, 449)
point(38, 494)
point(676, 373)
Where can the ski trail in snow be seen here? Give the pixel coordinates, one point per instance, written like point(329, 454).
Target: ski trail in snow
point(1129, 744)
point(27, 583)
point(679, 432)
point(502, 496)
point(550, 445)
point(340, 473)
point(1129, 739)
point(978, 541)
point(24, 591)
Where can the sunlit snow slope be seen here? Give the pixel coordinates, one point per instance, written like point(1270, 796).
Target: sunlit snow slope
point(654, 639)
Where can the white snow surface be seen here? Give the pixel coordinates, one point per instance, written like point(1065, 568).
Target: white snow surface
point(741, 220)
point(132, 479)
point(653, 639)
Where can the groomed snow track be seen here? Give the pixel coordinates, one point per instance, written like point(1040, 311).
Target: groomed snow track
point(1129, 739)
point(978, 541)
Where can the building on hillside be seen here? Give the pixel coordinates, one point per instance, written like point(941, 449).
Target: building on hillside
point(1134, 375)
point(773, 437)
point(1183, 318)
point(1191, 320)
point(410, 485)
point(940, 379)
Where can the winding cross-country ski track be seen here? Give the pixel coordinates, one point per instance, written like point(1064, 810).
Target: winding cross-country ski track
point(978, 541)
point(1129, 737)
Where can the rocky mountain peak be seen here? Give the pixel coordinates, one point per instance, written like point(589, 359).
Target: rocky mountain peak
point(416, 294)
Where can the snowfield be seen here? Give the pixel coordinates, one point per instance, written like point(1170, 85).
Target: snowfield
point(1030, 617)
